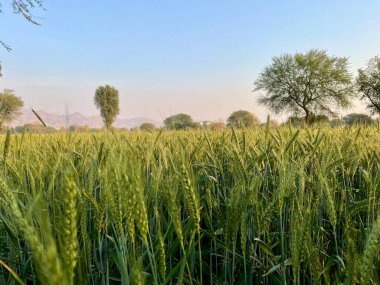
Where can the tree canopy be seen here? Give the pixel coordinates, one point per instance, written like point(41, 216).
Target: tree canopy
point(295, 121)
point(337, 123)
point(216, 126)
point(319, 119)
point(368, 82)
point(358, 119)
point(35, 128)
point(148, 127)
point(310, 83)
point(179, 122)
point(107, 100)
point(242, 119)
point(300, 121)
point(10, 106)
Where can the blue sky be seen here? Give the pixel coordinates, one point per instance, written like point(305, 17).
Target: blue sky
point(196, 56)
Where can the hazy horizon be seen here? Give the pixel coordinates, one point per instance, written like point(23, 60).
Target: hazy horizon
point(168, 57)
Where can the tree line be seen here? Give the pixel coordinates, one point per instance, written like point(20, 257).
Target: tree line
point(310, 86)
point(307, 85)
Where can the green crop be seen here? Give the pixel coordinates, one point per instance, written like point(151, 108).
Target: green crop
point(259, 206)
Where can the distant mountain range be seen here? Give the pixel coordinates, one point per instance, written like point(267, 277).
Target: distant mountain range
point(58, 121)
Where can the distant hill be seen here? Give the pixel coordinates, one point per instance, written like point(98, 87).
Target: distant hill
point(58, 121)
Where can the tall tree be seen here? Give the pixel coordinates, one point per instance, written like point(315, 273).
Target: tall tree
point(242, 119)
point(107, 100)
point(310, 83)
point(368, 82)
point(179, 122)
point(10, 106)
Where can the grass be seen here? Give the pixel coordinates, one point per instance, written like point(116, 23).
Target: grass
point(261, 206)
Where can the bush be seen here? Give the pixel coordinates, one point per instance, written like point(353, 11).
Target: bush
point(148, 127)
point(242, 119)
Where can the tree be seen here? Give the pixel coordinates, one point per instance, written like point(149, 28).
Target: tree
point(242, 119)
point(10, 106)
point(179, 122)
point(319, 120)
point(295, 121)
point(35, 128)
point(309, 83)
point(148, 127)
point(368, 82)
point(134, 129)
point(336, 123)
point(358, 119)
point(272, 124)
point(79, 129)
point(107, 100)
point(216, 126)
point(24, 8)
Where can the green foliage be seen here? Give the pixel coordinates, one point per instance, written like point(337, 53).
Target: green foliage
point(10, 106)
point(319, 120)
point(296, 121)
point(148, 127)
point(107, 100)
point(179, 122)
point(79, 129)
point(34, 128)
point(336, 123)
point(368, 82)
point(216, 126)
point(309, 83)
point(252, 206)
point(299, 122)
point(358, 119)
point(242, 119)
point(271, 123)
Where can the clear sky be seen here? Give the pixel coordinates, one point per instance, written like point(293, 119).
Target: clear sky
point(200, 57)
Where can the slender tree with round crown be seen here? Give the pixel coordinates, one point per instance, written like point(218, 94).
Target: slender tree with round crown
point(107, 100)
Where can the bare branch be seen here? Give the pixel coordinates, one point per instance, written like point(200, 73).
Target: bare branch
point(24, 8)
point(7, 47)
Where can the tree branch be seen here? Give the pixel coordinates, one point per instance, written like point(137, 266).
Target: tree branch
point(7, 47)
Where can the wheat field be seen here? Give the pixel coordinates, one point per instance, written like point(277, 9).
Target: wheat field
point(259, 206)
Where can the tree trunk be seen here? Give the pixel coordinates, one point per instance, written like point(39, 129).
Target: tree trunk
point(307, 116)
